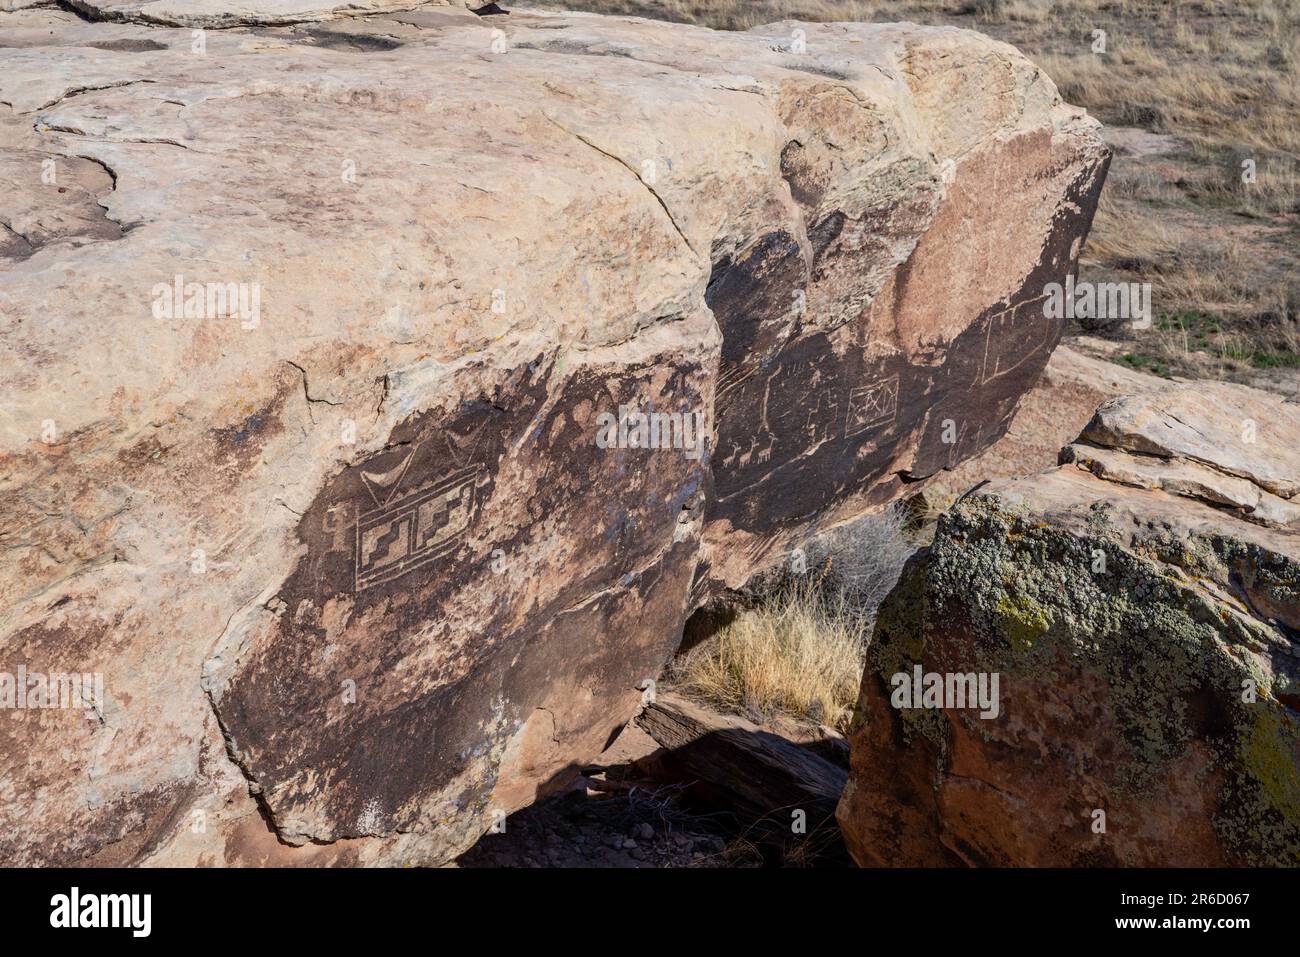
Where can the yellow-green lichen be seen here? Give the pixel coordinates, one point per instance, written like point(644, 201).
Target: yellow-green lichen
point(1022, 620)
point(1269, 754)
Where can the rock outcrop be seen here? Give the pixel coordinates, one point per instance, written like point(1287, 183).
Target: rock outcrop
point(779, 793)
point(220, 14)
point(324, 347)
point(1050, 416)
point(1139, 607)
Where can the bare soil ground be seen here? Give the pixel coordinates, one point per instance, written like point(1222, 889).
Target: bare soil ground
point(639, 827)
point(632, 809)
point(618, 814)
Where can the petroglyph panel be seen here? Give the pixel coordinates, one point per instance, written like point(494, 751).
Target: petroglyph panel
point(806, 418)
point(401, 592)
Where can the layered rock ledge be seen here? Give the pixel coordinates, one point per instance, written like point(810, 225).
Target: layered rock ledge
point(1140, 605)
point(308, 332)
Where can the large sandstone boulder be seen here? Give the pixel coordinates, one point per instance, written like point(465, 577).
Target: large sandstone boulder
point(1140, 606)
point(313, 337)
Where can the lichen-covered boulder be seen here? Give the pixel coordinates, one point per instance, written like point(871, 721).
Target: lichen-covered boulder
point(1144, 642)
point(316, 340)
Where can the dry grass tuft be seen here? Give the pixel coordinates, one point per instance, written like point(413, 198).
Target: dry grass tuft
point(801, 650)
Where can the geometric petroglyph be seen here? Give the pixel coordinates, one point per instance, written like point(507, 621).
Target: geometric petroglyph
point(410, 530)
point(1008, 332)
point(871, 406)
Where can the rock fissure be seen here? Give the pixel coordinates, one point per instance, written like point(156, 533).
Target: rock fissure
point(659, 200)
